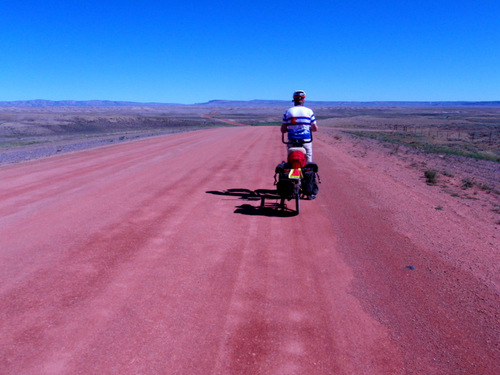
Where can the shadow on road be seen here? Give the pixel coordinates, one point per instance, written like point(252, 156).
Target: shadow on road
point(263, 196)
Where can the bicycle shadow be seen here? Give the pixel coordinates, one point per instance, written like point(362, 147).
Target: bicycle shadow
point(265, 208)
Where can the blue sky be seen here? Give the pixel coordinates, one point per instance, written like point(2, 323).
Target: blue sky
point(195, 51)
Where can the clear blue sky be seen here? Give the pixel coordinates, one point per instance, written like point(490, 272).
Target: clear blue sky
point(195, 51)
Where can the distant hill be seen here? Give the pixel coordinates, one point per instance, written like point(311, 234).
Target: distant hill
point(245, 103)
point(312, 103)
point(82, 103)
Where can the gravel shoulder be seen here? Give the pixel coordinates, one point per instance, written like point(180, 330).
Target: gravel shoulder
point(40, 148)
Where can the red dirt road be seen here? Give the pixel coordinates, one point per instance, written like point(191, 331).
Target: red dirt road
point(153, 257)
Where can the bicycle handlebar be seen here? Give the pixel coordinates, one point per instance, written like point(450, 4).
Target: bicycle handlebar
point(298, 142)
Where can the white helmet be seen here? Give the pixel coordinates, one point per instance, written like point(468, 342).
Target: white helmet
point(299, 95)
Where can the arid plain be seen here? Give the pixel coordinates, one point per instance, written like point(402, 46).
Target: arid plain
point(133, 240)
point(460, 144)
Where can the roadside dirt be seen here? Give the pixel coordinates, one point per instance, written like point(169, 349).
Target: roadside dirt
point(155, 257)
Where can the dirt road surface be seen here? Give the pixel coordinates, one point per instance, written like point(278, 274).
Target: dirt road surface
point(153, 257)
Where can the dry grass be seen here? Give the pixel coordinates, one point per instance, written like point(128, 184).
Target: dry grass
point(471, 132)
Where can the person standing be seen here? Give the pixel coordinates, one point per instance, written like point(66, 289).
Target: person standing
point(299, 121)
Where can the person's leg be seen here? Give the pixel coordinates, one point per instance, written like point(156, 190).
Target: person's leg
point(309, 152)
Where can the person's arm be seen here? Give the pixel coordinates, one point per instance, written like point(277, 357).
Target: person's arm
point(314, 125)
point(284, 124)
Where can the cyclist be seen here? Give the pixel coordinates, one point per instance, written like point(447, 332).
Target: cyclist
point(299, 122)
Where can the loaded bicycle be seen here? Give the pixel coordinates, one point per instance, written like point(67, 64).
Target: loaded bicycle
point(295, 179)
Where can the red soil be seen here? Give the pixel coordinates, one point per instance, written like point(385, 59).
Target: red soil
point(153, 257)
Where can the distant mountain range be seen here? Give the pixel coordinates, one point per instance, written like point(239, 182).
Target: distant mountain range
point(312, 103)
point(245, 103)
point(80, 103)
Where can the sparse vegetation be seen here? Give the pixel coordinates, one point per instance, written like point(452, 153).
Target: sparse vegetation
point(469, 132)
point(455, 148)
point(489, 155)
point(431, 176)
point(485, 187)
point(433, 144)
point(467, 183)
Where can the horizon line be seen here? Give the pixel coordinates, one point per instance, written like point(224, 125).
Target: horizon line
point(125, 103)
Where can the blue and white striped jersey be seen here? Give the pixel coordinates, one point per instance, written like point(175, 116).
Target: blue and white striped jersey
point(298, 120)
